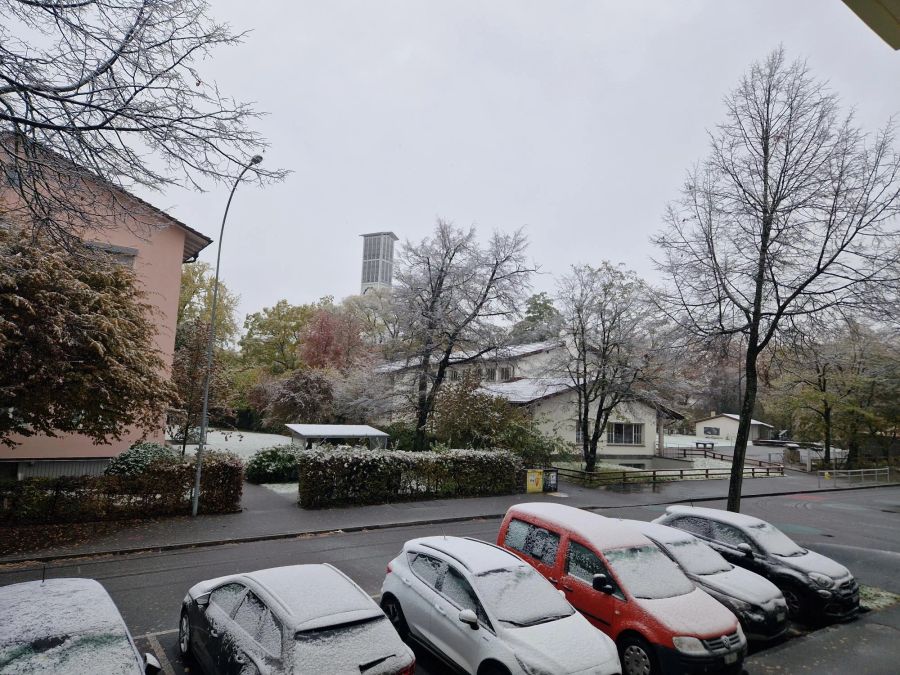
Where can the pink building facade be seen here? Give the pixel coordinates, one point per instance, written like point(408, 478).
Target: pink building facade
point(155, 245)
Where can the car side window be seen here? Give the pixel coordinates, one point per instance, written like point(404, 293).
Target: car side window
point(427, 568)
point(269, 633)
point(692, 524)
point(249, 615)
point(455, 587)
point(729, 535)
point(533, 541)
point(227, 597)
point(582, 564)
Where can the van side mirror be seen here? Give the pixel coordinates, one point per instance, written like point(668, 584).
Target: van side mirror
point(745, 549)
point(467, 616)
point(151, 665)
point(601, 583)
point(202, 600)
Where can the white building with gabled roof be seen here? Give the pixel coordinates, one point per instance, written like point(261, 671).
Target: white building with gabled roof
point(725, 426)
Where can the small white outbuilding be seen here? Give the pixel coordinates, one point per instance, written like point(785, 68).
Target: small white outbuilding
point(312, 435)
point(725, 426)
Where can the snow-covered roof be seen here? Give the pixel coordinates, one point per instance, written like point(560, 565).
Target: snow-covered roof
point(738, 519)
point(732, 416)
point(336, 431)
point(658, 532)
point(477, 556)
point(310, 593)
point(603, 532)
point(63, 626)
point(500, 354)
point(526, 390)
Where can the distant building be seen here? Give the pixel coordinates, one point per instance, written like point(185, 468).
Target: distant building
point(378, 261)
point(725, 426)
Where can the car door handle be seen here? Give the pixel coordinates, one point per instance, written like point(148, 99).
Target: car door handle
point(214, 633)
point(440, 610)
point(552, 580)
point(568, 589)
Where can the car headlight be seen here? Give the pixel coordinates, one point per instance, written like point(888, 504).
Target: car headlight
point(689, 645)
point(822, 580)
point(531, 668)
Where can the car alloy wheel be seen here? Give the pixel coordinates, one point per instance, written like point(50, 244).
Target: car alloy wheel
point(394, 613)
point(795, 606)
point(184, 634)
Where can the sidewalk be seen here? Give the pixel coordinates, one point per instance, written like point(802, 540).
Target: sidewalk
point(269, 515)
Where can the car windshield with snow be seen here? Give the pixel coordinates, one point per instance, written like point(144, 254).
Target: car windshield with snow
point(481, 610)
point(66, 626)
point(296, 619)
point(628, 588)
point(813, 586)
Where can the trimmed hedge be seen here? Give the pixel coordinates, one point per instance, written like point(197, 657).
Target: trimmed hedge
point(277, 464)
point(354, 476)
point(164, 489)
point(139, 457)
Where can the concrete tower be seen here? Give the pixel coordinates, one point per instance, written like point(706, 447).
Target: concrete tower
point(378, 260)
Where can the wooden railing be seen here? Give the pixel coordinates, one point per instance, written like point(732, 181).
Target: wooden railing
point(592, 478)
point(685, 453)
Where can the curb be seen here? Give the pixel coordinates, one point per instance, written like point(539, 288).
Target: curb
point(380, 526)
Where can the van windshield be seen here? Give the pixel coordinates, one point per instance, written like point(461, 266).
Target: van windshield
point(647, 573)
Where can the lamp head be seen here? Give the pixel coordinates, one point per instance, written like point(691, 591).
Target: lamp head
point(256, 159)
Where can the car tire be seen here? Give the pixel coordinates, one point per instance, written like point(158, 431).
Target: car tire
point(391, 607)
point(493, 669)
point(637, 656)
point(184, 635)
point(796, 606)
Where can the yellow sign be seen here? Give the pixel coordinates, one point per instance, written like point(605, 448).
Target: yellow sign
point(534, 481)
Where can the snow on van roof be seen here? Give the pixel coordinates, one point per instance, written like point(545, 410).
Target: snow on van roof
point(658, 532)
point(738, 519)
point(311, 592)
point(601, 531)
point(478, 556)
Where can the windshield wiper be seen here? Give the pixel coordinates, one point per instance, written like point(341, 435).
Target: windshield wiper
point(535, 622)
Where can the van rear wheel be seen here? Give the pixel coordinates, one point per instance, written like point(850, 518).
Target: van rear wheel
point(637, 656)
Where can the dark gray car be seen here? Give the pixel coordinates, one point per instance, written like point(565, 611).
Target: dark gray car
point(296, 619)
point(755, 601)
point(814, 586)
point(66, 626)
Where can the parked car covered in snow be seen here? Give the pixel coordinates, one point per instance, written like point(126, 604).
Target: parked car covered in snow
point(755, 601)
point(295, 619)
point(628, 588)
point(66, 626)
point(813, 585)
point(482, 610)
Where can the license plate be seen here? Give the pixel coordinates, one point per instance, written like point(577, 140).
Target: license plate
point(730, 658)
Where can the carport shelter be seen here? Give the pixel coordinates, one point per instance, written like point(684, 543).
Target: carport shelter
point(312, 435)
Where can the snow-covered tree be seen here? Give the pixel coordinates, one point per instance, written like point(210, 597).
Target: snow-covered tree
point(77, 345)
point(792, 213)
point(450, 292)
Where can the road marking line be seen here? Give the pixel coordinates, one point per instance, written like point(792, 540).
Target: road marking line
point(161, 654)
point(156, 634)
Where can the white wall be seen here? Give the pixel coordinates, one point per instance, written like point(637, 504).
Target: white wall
point(727, 428)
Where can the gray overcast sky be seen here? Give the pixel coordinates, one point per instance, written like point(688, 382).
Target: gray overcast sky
point(575, 119)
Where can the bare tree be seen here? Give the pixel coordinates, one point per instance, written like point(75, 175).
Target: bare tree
point(449, 294)
point(790, 214)
point(112, 90)
point(608, 355)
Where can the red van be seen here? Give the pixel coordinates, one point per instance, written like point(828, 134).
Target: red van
point(628, 588)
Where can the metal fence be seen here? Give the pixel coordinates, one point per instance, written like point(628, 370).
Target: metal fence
point(844, 477)
point(607, 477)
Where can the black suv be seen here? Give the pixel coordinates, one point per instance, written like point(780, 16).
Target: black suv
point(813, 585)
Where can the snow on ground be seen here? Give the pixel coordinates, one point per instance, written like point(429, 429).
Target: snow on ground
point(242, 443)
point(291, 489)
point(685, 441)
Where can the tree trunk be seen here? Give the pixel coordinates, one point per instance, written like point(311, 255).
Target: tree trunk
point(420, 440)
point(743, 432)
point(826, 416)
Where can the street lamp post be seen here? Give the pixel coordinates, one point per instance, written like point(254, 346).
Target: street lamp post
point(204, 417)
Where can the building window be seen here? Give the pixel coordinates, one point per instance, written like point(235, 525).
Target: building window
point(490, 374)
point(579, 437)
point(506, 374)
point(454, 375)
point(479, 374)
point(120, 255)
point(624, 433)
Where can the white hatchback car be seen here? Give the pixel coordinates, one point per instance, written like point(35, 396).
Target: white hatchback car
point(485, 612)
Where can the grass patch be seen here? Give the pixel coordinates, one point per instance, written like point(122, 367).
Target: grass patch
point(875, 598)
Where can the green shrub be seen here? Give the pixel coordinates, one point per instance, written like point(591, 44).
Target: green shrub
point(162, 489)
point(277, 464)
point(139, 457)
point(344, 476)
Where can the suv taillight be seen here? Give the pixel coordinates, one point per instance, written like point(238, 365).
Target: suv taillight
point(410, 669)
point(389, 570)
